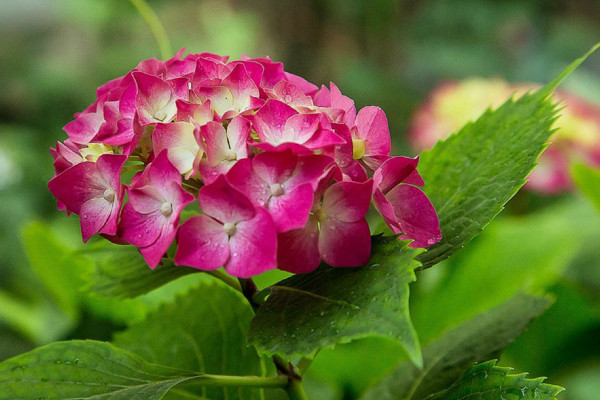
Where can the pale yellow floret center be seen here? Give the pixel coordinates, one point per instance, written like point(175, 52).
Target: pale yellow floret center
point(109, 195)
point(358, 148)
point(230, 155)
point(277, 189)
point(160, 115)
point(229, 229)
point(94, 150)
point(166, 209)
point(320, 215)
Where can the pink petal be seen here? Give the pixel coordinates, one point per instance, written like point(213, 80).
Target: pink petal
point(85, 127)
point(154, 253)
point(291, 95)
point(372, 126)
point(243, 177)
point(238, 133)
point(242, 87)
point(300, 128)
point(224, 203)
point(345, 244)
point(221, 98)
point(415, 215)
point(339, 101)
point(270, 121)
point(216, 142)
point(93, 216)
point(397, 170)
point(347, 201)
point(139, 229)
point(179, 140)
point(305, 86)
point(161, 173)
point(291, 210)
point(253, 247)
point(298, 250)
point(202, 243)
point(199, 114)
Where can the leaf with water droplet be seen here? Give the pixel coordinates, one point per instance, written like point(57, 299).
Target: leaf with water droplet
point(337, 305)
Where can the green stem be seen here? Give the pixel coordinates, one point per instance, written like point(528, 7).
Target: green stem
point(228, 280)
point(158, 30)
point(240, 381)
point(249, 290)
point(296, 391)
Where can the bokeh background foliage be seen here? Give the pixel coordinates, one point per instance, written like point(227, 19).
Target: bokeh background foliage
point(53, 55)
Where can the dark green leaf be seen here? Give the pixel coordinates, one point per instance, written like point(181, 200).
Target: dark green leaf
point(307, 312)
point(121, 272)
point(445, 359)
point(493, 382)
point(80, 370)
point(471, 175)
point(203, 330)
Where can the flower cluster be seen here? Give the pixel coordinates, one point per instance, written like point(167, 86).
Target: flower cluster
point(283, 171)
point(452, 104)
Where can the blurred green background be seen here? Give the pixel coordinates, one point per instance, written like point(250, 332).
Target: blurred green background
point(55, 53)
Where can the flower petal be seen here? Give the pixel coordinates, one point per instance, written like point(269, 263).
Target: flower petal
point(298, 250)
point(345, 244)
point(202, 243)
point(253, 247)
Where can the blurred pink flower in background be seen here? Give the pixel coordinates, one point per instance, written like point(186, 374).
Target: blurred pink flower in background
point(452, 104)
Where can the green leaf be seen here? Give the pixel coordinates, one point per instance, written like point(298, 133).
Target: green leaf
point(587, 180)
point(471, 175)
point(307, 312)
point(493, 382)
point(202, 330)
point(121, 272)
point(525, 253)
point(445, 359)
point(80, 370)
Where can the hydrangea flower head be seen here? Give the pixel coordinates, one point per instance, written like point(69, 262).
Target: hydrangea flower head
point(283, 173)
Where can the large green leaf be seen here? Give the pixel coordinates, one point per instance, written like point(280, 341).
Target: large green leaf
point(524, 253)
point(307, 312)
point(445, 359)
point(202, 330)
point(81, 370)
point(121, 272)
point(471, 175)
point(486, 380)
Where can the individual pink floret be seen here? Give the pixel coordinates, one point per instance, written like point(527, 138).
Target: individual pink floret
point(233, 95)
point(232, 233)
point(155, 99)
point(336, 232)
point(183, 143)
point(371, 137)
point(280, 127)
point(281, 182)
point(93, 191)
point(404, 207)
point(223, 147)
point(151, 216)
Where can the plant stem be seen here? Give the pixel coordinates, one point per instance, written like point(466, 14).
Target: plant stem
point(228, 280)
point(240, 381)
point(295, 390)
point(249, 290)
point(158, 30)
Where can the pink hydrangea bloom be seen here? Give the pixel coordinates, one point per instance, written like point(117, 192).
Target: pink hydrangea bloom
point(284, 172)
